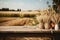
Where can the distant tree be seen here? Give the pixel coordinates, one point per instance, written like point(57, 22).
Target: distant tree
point(0, 9)
point(48, 4)
point(57, 5)
point(5, 9)
point(57, 2)
point(18, 9)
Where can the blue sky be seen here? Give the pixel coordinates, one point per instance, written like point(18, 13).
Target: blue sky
point(25, 4)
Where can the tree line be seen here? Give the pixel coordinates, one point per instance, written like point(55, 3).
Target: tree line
point(56, 5)
point(7, 9)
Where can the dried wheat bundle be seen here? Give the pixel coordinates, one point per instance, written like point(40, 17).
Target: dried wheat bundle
point(29, 22)
point(40, 26)
point(46, 21)
point(46, 18)
point(43, 21)
point(55, 18)
point(40, 20)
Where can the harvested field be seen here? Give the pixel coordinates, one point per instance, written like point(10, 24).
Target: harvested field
point(26, 18)
point(15, 18)
point(16, 12)
point(4, 19)
point(15, 21)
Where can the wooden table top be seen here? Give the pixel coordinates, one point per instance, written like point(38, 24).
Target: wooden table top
point(24, 29)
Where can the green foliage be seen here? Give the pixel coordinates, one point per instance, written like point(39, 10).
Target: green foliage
point(21, 15)
point(29, 16)
point(35, 20)
point(9, 15)
point(17, 15)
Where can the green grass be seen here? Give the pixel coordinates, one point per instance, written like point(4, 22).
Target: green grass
point(9, 15)
point(17, 15)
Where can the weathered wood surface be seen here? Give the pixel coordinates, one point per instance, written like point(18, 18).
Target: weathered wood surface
point(22, 29)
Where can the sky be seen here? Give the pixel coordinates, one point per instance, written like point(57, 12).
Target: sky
point(25, 4)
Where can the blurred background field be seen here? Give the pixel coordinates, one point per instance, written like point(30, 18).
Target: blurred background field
point(38, 17)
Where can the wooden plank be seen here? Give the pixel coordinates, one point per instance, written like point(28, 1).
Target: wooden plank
point(22, 29)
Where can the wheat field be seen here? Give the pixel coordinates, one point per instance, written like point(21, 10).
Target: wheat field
point(26, 18)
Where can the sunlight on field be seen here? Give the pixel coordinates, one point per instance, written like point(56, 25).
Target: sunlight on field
point(40, 18)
